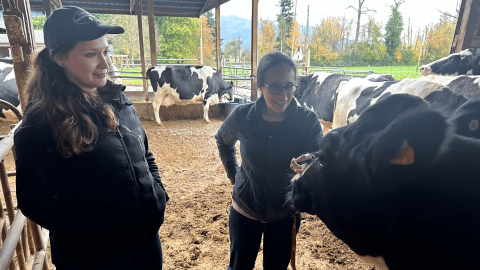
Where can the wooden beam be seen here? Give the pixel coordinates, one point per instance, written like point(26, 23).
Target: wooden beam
point(22, 45)
point(47, 5)
point(138, 12)
point(253, 95)
point(463, 27)
point(132, 5)
point(152, 34)
point(203, 8)
point(217, 36)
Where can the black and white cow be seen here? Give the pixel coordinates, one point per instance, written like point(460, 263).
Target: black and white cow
point(8, 89)
point(356, 95)
point(317, 91)
point(462, 63)
point(185, 85)
point(400, 185)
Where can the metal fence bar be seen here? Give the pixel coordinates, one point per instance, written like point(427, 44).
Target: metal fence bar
point(11, 242)
point(40, 261)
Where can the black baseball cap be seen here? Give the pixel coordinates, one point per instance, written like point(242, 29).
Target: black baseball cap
point(72, 23)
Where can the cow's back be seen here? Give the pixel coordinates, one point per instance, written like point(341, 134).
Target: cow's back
point(319, 95)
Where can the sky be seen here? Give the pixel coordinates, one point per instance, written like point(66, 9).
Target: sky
point(421, 12)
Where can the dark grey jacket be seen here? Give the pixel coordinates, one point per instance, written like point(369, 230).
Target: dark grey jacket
point(263, 179)
point(112, 195)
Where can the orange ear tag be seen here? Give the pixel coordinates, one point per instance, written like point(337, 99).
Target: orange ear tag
point(405, 156)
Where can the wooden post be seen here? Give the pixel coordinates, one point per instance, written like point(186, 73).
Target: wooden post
point(47, 5)
point(138, 12)
point(253, 95)
point(463, 27)
point(217, 35)
point(152, 33)
point(19, 26)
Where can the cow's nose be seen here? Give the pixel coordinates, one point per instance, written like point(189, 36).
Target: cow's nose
point(424, 70)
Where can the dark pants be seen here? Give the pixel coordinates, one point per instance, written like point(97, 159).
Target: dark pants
point(245, 238)
point(77, 256)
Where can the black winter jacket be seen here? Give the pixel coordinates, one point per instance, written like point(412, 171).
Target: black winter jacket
point(263, 179)
point(112, 195)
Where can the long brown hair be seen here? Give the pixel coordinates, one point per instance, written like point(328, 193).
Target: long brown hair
point(53, 96)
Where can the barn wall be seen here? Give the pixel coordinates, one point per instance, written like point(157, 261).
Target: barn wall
point(472, 33)
point(175, 112)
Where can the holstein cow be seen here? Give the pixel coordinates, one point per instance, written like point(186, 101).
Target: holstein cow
point(8, 89)
point(400, 185)
point(317, 91)
point(462, 63)
point(185, 85)
point(355, 96)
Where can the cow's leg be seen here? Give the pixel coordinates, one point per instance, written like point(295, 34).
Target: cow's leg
point(206, 107)
point(157, 102)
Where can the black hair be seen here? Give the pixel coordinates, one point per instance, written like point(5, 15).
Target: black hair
point(270, 61)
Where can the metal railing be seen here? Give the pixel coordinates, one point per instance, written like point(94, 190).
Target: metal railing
point(24, 244)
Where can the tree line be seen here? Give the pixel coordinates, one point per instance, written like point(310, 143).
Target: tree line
point(336, 40)
point(339, 41)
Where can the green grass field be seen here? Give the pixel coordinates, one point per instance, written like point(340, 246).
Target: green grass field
point(398, 72)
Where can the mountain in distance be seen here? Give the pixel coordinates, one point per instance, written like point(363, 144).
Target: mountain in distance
point(232, 27)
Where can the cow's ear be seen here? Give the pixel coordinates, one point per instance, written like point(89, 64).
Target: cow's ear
point(412, 137)
point(231, 83)
point(405, 156)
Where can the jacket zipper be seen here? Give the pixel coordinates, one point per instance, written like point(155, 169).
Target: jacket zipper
point(135, 182)
point(264, 189)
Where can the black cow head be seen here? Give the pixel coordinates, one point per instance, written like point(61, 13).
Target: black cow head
point(225, 89)
point(398, 183)
point(462, 63)
point(302, 82)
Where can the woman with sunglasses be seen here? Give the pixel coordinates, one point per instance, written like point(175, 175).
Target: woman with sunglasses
point(271, 131)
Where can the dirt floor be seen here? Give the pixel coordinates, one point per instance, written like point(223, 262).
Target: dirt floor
point(195, 232)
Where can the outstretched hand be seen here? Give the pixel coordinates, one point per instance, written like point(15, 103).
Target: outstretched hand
point(300, 168)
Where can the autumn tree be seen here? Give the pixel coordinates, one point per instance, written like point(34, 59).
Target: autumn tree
point(284, 20)
point(327, 38)
point(361, 10)
point(232, 49)
point(372, 47)
point(295, 36)
point(180, 38)
point(128, 43)
point(393, 29)
point(207, 39)
point(266, 38)
point(439, 39)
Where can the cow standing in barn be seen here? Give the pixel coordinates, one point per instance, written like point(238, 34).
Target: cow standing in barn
point(318, 92)
point(185, 85)
point(8, 89)
point(462, 63)
point(400, 185)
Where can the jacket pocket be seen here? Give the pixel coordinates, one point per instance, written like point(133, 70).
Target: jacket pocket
point(160, 198)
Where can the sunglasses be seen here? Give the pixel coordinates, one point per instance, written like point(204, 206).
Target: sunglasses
point(277, 88)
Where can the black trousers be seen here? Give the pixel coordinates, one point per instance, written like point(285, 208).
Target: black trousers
point(75, 256)
point(245, 238)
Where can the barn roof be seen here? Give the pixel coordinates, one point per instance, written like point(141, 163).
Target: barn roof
point(171, 8)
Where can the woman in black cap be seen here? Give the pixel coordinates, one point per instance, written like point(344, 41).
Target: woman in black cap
point(271, 131)
point(84, 170)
